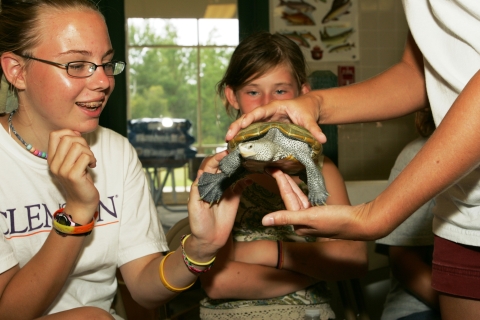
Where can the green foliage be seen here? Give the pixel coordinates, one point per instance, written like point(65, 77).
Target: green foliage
point(163, 80)
point(150, 104)
point(215, 120)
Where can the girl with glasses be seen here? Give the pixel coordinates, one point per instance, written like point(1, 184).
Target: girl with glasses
point(74, 201)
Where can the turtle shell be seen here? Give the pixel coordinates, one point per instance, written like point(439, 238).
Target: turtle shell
point(289, 165)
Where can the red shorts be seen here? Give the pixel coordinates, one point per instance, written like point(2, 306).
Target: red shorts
point(456, 269)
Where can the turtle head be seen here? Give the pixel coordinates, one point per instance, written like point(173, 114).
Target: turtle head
point(258, 150)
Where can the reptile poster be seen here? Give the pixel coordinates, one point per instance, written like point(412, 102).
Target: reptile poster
point(325, 30)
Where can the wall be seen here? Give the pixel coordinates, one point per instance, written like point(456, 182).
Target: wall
point(367, 151)
point(115, 113)
point(169, 9)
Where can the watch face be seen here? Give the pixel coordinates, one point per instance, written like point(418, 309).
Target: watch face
point(63, 220)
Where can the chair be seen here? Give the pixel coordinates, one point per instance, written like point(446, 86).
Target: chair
point(363, 299)
point(175, 233)
point(130, 308)
point(344, 300)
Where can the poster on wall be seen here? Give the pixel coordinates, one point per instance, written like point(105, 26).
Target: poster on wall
point(325, 30)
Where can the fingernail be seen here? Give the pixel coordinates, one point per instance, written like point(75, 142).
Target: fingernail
point(269, 221)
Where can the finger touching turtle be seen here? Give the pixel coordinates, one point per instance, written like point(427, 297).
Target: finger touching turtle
point(292, 196)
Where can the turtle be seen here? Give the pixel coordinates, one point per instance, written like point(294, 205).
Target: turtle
point(287, 146)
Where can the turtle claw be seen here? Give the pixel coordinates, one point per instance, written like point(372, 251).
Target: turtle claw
point(317, 199)
point(212, 203)
point(317, 195)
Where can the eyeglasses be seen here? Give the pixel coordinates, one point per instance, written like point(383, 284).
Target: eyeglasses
point(84, 69)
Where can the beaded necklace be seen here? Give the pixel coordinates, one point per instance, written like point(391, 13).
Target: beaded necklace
point(29, 147)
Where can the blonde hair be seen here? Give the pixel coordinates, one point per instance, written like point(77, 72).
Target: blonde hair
point(20, 25)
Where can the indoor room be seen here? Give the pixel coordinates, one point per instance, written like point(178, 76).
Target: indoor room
point(205, 33)
point(131, 191)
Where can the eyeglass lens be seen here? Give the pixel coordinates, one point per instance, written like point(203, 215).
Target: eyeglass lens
point(85, 69)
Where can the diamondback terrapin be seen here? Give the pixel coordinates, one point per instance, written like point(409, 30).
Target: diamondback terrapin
point(274, 144)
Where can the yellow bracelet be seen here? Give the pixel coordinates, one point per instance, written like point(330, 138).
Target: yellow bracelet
point(164, 281)
point(193, 261)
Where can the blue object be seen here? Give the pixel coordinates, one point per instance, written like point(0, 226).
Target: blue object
point(166, 138)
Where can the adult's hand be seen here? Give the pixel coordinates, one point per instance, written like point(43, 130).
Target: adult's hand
point(334, 221)
point(211, 225)
point(303, 111)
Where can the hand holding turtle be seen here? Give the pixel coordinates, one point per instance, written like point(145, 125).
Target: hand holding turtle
point(211, 225)
point(333, 221)
point(303, 111)
point(295, 201)
point(293, 197)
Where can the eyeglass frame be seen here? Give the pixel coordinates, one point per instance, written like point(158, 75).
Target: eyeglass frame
point(66, 65)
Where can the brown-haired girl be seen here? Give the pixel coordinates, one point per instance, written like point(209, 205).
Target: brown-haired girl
point(271, 273)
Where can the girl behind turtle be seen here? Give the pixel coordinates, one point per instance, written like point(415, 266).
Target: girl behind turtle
point(76, 205)
point(271, 272)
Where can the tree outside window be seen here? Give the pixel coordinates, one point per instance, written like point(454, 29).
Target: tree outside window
point(173, 68)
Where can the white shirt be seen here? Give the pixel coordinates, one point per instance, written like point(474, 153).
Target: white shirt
point(127, 227)
point(446, 31)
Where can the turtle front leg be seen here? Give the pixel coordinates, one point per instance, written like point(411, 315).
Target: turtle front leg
point(212, 186)
point(231, 162)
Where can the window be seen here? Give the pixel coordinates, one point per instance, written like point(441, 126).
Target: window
point(173, 68)
point(174, 65)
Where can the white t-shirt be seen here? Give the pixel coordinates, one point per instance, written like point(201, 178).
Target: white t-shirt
point(127, 227)
point(415, 231)
point(446, 33)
